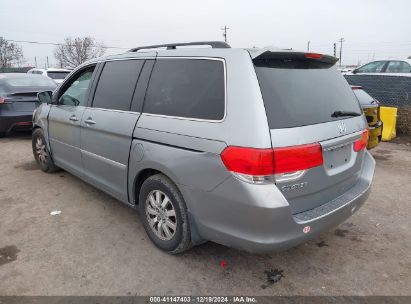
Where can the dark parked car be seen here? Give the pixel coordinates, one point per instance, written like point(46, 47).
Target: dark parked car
point(18, 99)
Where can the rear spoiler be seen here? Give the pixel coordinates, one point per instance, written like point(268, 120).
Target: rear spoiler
point(290, 59)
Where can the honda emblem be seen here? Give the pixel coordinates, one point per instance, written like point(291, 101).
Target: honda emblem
point(342, 128)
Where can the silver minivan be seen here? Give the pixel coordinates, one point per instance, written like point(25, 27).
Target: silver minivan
point(256, 149)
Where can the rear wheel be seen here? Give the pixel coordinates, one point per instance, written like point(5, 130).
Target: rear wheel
point(2, 134)
point(41, 153)
point(164, 214)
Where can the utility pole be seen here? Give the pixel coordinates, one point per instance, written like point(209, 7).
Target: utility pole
point(35, 61)
point(341, 42)
point(224, 29)
point(48, 65)
point(308, 46)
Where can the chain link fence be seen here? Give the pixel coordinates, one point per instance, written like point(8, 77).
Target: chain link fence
point(391, 91)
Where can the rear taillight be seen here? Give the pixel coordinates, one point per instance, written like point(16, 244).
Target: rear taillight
point(248, 160)
point(267, 165)
point(356, 88)
point(361, 143)
point(2, 100)
point(291, 159)
point(313, 55)
point(24, 123)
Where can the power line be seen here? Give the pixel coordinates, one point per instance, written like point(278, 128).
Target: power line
point(57, 44)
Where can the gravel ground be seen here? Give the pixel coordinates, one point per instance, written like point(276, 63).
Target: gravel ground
point(97, 246)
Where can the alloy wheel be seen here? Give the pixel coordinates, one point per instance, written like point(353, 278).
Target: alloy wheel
point(161, 215)
point(41, 151)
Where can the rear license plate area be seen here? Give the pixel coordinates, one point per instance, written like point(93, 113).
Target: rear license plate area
point(335, 157)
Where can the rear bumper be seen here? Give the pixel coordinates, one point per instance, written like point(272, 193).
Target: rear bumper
point(375, 135)
point(21, 121)
point(257, 218)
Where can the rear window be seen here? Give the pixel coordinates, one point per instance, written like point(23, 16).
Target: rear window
point(192, 88)
point(299, 95)
point(31, 81)
point(57, 75)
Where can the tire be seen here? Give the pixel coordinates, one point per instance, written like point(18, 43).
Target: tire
point(2, 134)
point(157, 220)
point(41, 152)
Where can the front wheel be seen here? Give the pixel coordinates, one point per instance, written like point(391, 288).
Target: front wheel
point(41, 153)
point(164, 214)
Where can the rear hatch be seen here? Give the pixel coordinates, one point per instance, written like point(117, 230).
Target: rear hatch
point(22, 101)
point(19, 92)
point(308, 101)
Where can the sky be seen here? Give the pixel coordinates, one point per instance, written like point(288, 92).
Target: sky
point(372, 29)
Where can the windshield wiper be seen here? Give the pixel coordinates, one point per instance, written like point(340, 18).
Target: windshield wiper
point(344, 113)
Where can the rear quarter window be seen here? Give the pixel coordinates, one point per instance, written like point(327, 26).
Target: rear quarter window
point(190, 88)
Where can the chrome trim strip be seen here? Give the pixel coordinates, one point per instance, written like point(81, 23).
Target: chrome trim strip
point(130, 58)
point(106, 160)
point(334, 143)
point(95, 156)
point(112, 110)
point(63, 143)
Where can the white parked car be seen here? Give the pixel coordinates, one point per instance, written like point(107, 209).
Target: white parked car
point(395, 67)
point(57, 75)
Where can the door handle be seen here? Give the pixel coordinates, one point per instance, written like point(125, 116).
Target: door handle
point(90, 121)
point(73, 118)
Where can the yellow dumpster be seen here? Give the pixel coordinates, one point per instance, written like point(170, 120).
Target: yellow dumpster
point(389, 118)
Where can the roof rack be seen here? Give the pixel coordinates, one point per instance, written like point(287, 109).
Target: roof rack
point(173, 46)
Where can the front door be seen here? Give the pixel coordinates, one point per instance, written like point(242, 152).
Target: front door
point(107, 126)
point(64, 121)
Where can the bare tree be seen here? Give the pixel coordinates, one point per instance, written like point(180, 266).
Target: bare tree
point(10, 53)
point(74, 52)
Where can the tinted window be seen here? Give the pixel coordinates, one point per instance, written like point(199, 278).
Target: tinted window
point(398, 67)
point(57, 75)
point(75, 94)
point(373, 67)
point(116, 85)
point(192, 88)
point(296, 97)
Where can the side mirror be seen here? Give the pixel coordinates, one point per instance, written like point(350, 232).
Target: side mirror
point(354, 71)
point(44, 97)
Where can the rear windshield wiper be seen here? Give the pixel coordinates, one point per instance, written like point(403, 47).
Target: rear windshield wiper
point(344, 113)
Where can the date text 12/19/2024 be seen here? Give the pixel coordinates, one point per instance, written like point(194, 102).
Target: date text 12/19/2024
point(203, 299)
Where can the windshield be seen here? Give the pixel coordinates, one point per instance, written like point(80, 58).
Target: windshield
point(57, 75)
point(296, 96)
